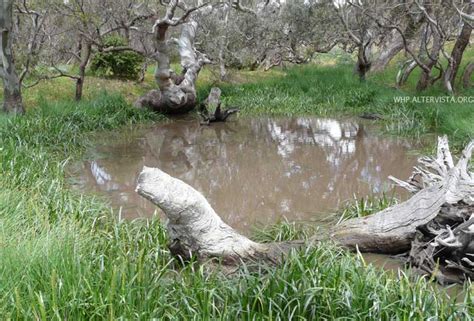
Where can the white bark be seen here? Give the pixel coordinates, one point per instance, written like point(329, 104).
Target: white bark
point(194, 224)
point(436, 183)
point(177, 94)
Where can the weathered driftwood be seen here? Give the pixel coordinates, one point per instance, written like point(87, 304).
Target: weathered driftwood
point(436, 224)
point(194, 228)
point(211, 109)
point(436, 183)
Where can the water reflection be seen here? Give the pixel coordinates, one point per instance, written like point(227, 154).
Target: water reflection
point(251, 170)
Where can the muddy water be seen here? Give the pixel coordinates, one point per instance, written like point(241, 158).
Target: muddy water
point(253, 171)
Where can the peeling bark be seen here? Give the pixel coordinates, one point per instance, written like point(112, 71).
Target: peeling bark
point(436, 183)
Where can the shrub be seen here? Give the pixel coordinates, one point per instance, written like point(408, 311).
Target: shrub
point(119, 64)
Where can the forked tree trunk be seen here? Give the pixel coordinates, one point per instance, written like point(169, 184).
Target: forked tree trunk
point(457, 53)
point(425, 77)
point(12, 99)
point(176, 94)
point(440, 187)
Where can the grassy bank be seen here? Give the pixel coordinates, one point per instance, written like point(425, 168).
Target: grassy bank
point(326, 88)
point(65, 256)
point(334, 90)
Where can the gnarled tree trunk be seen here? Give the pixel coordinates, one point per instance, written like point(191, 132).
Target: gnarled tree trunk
point(176, 94)
point(393, 229)
point(12, 99)
point(457, 53)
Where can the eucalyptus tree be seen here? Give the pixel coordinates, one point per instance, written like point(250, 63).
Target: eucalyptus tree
point(86, 25)
point(12, 99)
point(361, 32)
point(466, 14)
point(431, 25)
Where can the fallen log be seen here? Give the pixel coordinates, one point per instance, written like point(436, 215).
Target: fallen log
point(436, 223)
point(435, 183)
point(194, 228)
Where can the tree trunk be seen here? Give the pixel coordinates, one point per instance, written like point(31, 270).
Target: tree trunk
point(211, 109)
point(176, 95)
point(466, 78)
point(223, 44)
point(405, 72)
point(388, 54)
point(462, 42)
point(363, 61)
point(425, 77)
point(12, 99)
point(85, 54)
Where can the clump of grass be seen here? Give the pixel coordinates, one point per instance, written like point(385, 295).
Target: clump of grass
point(364, 206)
point(283, 230)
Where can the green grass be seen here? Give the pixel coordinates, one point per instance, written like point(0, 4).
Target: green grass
point(66, 256)
point(365, 206)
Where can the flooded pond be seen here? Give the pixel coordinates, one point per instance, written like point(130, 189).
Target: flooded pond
point(252, 171)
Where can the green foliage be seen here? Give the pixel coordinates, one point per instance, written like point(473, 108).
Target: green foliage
point(117, 64)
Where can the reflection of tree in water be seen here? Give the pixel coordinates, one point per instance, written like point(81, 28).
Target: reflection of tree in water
point(263, 168)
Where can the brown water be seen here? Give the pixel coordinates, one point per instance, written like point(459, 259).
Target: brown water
point(252, 171)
